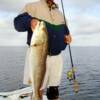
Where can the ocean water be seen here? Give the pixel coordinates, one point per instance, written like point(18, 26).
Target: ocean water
point(86, 60)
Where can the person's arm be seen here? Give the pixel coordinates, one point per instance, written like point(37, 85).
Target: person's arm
point(22, 22)
point(67, 37)
point(67, 30)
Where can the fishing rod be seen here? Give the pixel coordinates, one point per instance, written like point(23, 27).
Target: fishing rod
point(71, 74)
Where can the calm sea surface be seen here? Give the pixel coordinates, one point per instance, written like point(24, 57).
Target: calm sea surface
point(86, 60)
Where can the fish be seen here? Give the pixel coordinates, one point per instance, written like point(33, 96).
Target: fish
point(39, 51)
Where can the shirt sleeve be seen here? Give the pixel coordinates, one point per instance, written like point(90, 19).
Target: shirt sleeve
point(22, 22)
point(67, 30)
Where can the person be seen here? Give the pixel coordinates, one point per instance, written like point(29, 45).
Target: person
point(58, 38)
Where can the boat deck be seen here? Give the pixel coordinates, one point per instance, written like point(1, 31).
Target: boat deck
point(21, 94)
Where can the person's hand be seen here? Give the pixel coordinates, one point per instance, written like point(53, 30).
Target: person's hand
point(67, 39)
point(33, 23)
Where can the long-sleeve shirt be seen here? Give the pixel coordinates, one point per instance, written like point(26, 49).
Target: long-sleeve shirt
point(53, 19)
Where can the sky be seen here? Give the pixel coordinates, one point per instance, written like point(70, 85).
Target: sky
point(83, 19)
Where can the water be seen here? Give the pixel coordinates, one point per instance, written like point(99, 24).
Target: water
point(86, 60)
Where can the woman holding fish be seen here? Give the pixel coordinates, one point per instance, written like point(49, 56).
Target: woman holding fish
point(43, 17)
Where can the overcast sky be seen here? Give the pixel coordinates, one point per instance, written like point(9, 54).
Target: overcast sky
point(83, 19)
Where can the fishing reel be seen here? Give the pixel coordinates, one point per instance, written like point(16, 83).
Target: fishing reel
point(70, 74)
point(71, 77)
